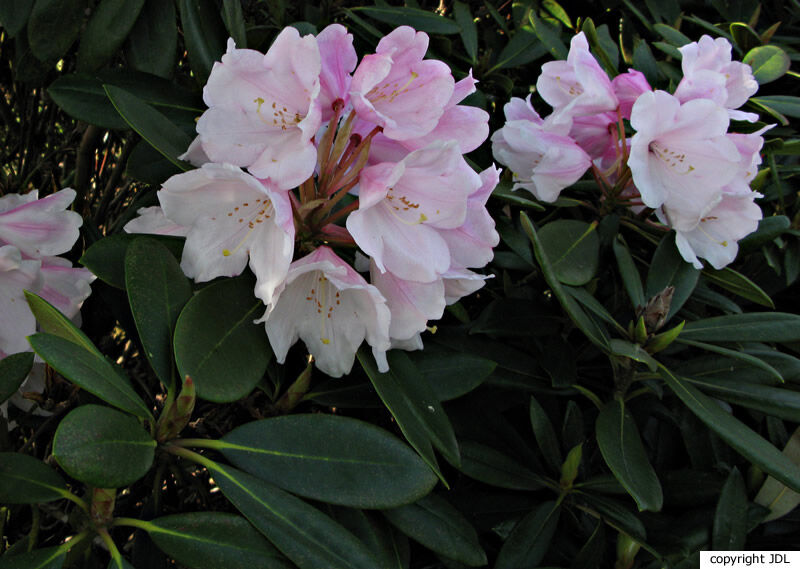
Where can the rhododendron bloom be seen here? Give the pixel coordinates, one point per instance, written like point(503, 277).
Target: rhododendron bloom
point(64, 286)
point(577, 86)
point(16, 275)
point(329, 306)
point(627, 87)
point(39, 227)
point(263, 109)
point(152, 220)
point(231, 216)
point(338, 60)
point(680, 156)
point(396, 89)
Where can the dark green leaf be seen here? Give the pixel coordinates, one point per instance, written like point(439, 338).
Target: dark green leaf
point(768, 62)
point(672, 35)
point(775, 401)
point(218, 345)
point(213, 540)
point(204, 35)
point(737, 355)
point(14, 15)
point(730, 518)
point(748, 327)
point(737, 283)
point(53, 26)
point(740, 437)
point(523, 47)
point(769, 228)
point(530, 539)
point(617, 516)
point(13, 371)
point(109, 25)
point(545, 435)
point(591, 554)
point(27, 480)
point(153, 43)
point(305, 535)
point(106, 258)
point(89, 370)
point(495, 468)
point(437, 525)
point(634, 352)
point(151, 124)
point(630, 274)
point(331, 459)
point(776, 496)
point(785, 104)
point(624, 453)
point(573, 249)
point(421, 20)
point(148, 165)
point(103, 447)
point(469, 32)
point(233, 17)
point(389, 545)
point(745, 37)
point(46, 558)
point(451, 374)
point(157, 291)
point(550, 36)
point(50, 320)
point(669, 269)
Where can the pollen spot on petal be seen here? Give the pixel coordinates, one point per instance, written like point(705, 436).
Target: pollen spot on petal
point(325, 341)
point(226, 253)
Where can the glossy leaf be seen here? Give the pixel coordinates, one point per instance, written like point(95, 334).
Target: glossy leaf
point(629, 273)
point(50, 320)
point(469, 32)
point(672, 35)
point(669, 269)
point(304, 534)
point(204, 35)
point(233, 17)
point(776, 496)
point(148, 165)
point(633, 351)
point(211, 540)
point(45, 558)
point(768, 230)
point(218, 345)
point(573, 249)
point(495, 468)
point(545, 435)
point(549, 35)
point(13, 371)
point(737, 355)
point(157, 291)
point(420, 20)
point(152, 46)
point(730, 517)
point(775, 401)
point(53, 26)
point(530, 539)
point(389, 545)
point(624, 453)
point(89, 370)
point(785, 104)
point(748, 327)
point(27, 480)
point(451, 374)
point(332, 459)
point(768, 62)
point(739, 284)
point(103, 447)
point(109, 25)
point(437, 525)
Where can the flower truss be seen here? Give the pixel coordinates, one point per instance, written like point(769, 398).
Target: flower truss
point(344, 187)
point(680, 162)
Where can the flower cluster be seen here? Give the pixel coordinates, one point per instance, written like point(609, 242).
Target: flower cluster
point(315, 168)
point(681, 161)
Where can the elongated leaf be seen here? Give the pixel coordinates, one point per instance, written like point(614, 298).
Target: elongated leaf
point(211, 540)
point(738, 355)
point(233, 17)
point(14, 15)
point(50, 320)
point(545, 435)
point(775, 401)
point(53, 26)
point(530, 539)
point(669, 269)
point(389, 545)
point(776, 496)
point(634, 352)
point(739, 284)
point(495, 468)
point(157, 291)
point(573, 249)
point(46, 558)
point(304, 534)
point(103, 447)
point(624, 453)
point(13, 371)
point(629, 273)
point(768, 62)
point(330, 458)
point(421, 20)
point(617, 515)
point(151, 124)
point(748, 327)
point(523, 47)
point(437, 525)
point(672, 35)
point(218, 345)
point(153, 43)
point(549, 35)
point(740, 437)
point(451, 374)
point(784, 104)
point(414, 405)
point(730, 517)
point(89, 370)
point(27, 480)
point(469, 31)
point(109, 25)
point(204, 35)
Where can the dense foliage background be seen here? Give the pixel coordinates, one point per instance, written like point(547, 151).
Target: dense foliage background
point(573, 414)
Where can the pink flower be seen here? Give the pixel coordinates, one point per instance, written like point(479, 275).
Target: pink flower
point(64, 286)
point(396, 89)
point(16, 275)
point(39, 227)
point(627, 87)
point(329, 306)
point(338, 59)
point(231, 217)
point(152, 220)
point(263, 109)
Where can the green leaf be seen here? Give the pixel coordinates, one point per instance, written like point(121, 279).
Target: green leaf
point(89, 370)
point(53, 26)
point(784, 104)
point(634, 352)
point(106, 258)
point(157, 291)
point(738, 355)
point(204, 35)
point(46, 558)
point(550, 36)
point(730, 517)
point(148, 165)
point(218, 345)
point(775, 401)
point(573, 249)
point(414, 405)
point(523, 48)
point(555, 10)
point(305, 535)
point(740, 437)
point(776, 496)
point(233, 17)
point(617, 516)
point(745, 37)
point(748, 327)
point(14, 15)
point(103, 447)
point(389, 545)
point(50, 320)
point(545, 435)
point(672, 35)
point(13, 371)
point(27, 480)
point(421, 20)
point(739, 284)
point(629, 273)
point(437, 525)
point(329, 458)
point(768, 62)
point(469, 31)
point(609, 62)
point(153, 43)
point(624, 453)
point(593, 332)
point(109, 25)
point(495, 468)
point(451, 374)
point(151, 124)
point(769, 228)
point(530, 539)
point(669, 269)
point(591, 554)
point(212, 540)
